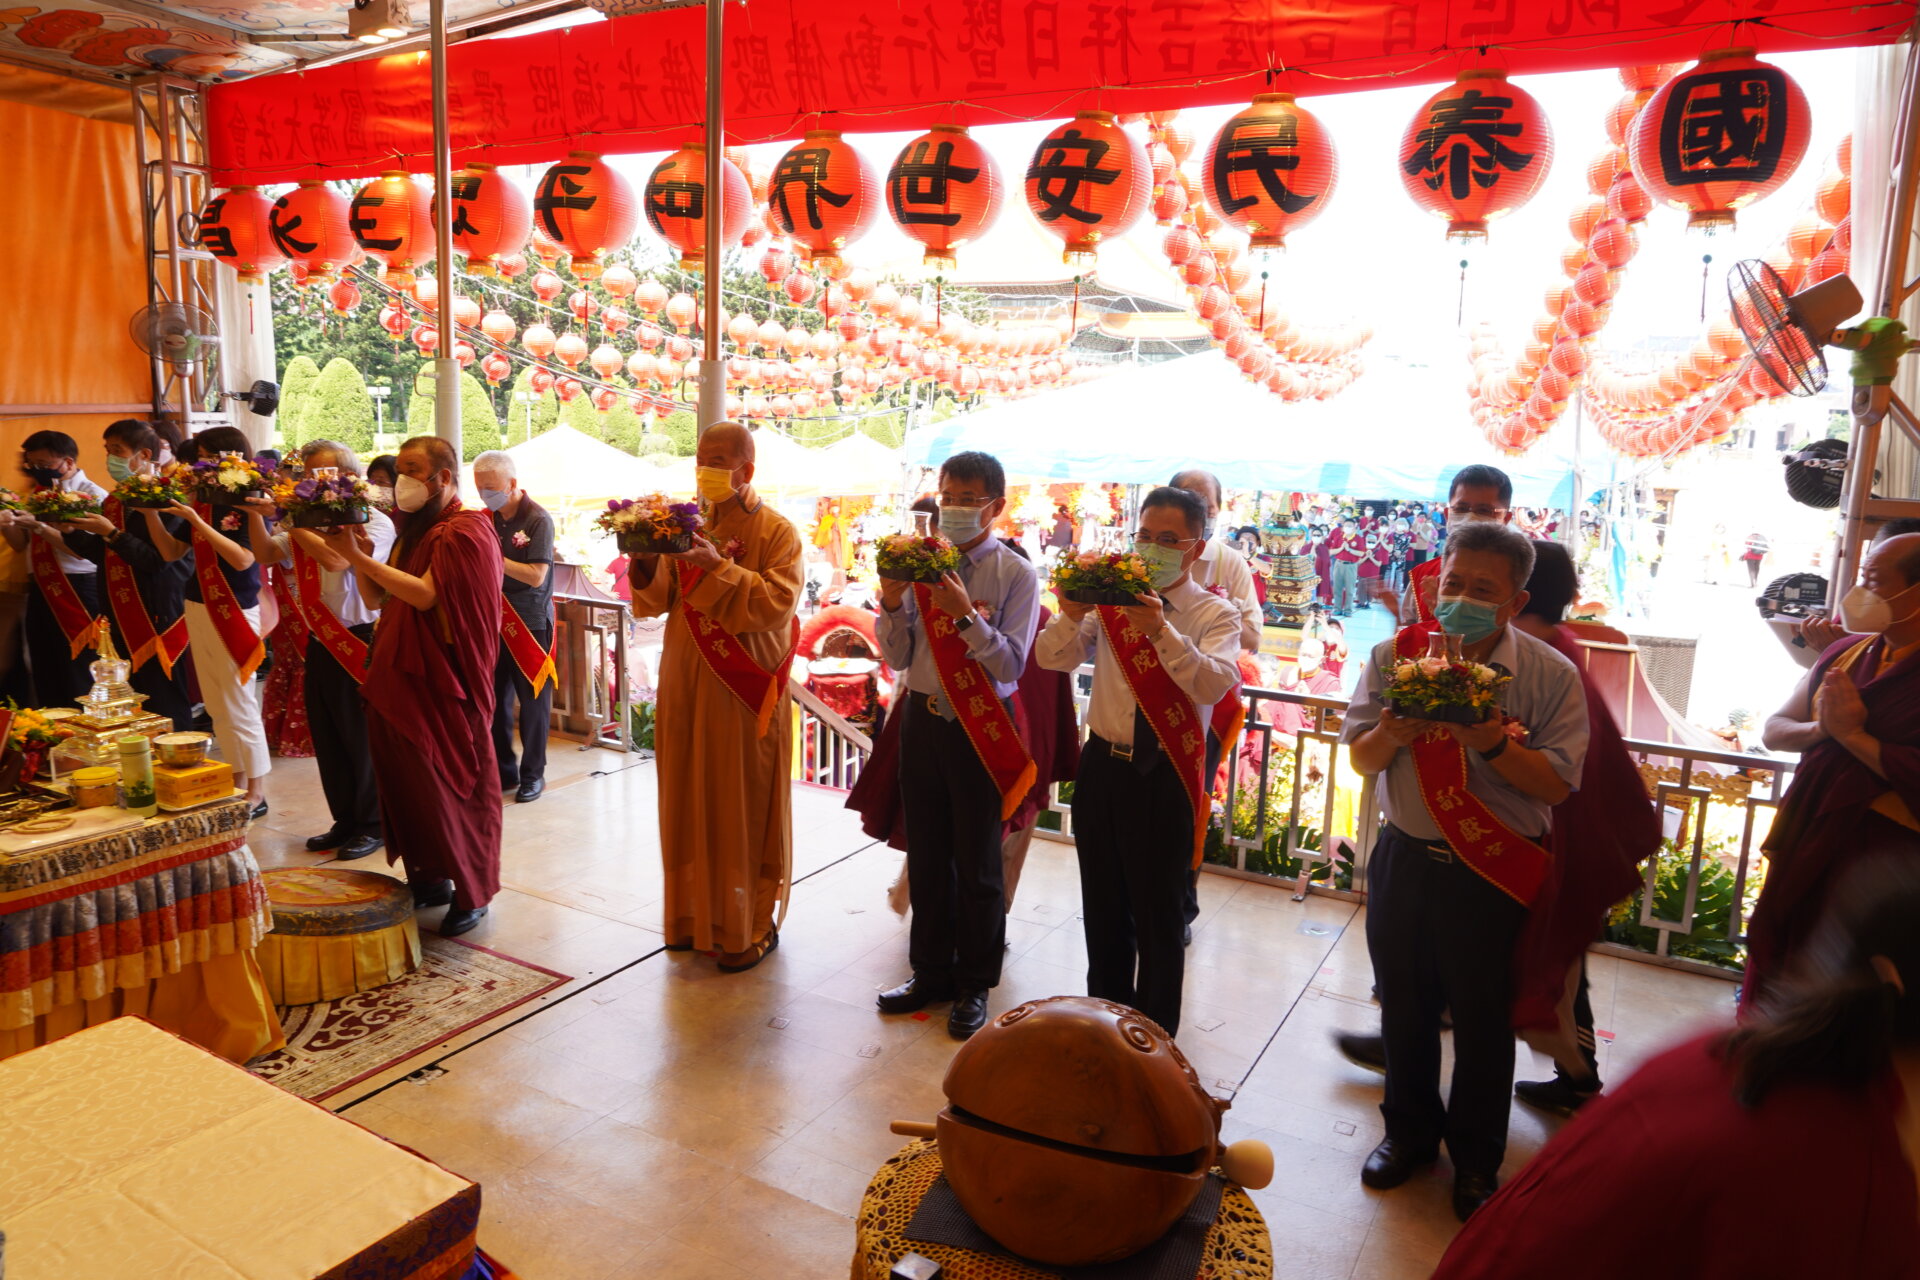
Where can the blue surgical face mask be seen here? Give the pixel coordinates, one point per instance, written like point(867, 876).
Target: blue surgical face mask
point(1471, 620)
point(1164, 564)
point(495, 498)
point(121, 469)
point(959, 524)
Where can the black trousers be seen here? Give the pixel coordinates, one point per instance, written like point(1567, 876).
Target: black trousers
point(59, 678)
point(514, 703)
point(1190, 907)
point(337, 719)
point(1440, 937)
point(1133, 834)
point(952, 814)
point(166, 694)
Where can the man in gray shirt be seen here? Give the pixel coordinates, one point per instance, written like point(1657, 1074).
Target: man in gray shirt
point(1446, 893)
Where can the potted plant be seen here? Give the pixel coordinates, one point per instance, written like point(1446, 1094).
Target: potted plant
point(1101, 577)
point(229, 480)
point(653, 524)
point(915, 557)
point(1443, 685)
point(324, 499)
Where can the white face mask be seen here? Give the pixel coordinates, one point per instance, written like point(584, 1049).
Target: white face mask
point(410, 494)
point(1866, 611)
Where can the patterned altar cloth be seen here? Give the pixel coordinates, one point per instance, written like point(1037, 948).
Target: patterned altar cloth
point(113, 918)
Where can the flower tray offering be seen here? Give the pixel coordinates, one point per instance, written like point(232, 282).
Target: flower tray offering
point(653, 524)
point(323, 499)
point(915, 557)
point(229, 480)
point(1445, 687)
point(58, 506)
point(151, 491)
point(1101, 577)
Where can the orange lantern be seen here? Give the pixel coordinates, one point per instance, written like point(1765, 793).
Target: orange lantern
point(496, 367)
point(233, 228)
point(492, 218)
point(606, 361)
point(585, 208)
point(498, 326)
point(1475, 151)
point(311, 226)
point(681, 310)
point(1088, 182)
point(676, 204)
point(1834, 200)
point(571, 348)
point(943, 190)
point(1718, 137)
point(1271, 169)
point(824, 195)
point(392, 219)
point(619, 281)
point(538, 340)
point(1613, 243)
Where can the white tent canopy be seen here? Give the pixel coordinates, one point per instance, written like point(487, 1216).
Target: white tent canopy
point(563, 465)
point(1399, 431)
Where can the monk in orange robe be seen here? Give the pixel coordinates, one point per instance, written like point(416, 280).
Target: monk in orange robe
point(429, 685)
point(723, 728)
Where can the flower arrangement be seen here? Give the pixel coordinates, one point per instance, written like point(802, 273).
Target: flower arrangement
point(1100, 577)
point(34, 735)
point(11, 501)
point(652, 524)
point(229, 480)
point(154, 490)
point(1444, 687)
point(913, 557)
point(323, 499)
point(58, 506)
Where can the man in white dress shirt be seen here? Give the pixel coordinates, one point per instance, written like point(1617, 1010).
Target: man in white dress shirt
point(1135, 817)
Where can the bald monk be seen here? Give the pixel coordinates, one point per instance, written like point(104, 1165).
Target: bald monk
point(724, 730)
point(429, 685)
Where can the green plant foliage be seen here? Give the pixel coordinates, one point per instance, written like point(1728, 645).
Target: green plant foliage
point(305, 325)
point(1713, 908)
point(297, 376)
point(339, 408)
point(479, 426)
point(1270, 857)
point(640, 724)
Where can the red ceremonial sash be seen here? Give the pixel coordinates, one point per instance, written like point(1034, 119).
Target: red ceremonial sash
point(969, 691)
point(1510, 863)
point(1229, 717)
point(1175, 720)
point(348, 649)
point(535, 663)
point(67, 607)
point(236, 633)
point(1416, 579)
point(142, 639)
point(757, 688)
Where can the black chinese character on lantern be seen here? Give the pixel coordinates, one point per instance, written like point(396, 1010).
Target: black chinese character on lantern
point(1057, 179)
point(466, 189)
point(806, 166)
point(1724, 126)
point(214, 237)
point(918, 188)
point(282, 232)
point(363, 222)
point(1265, 148)
point(1463, 144)
point(675, 197)
point(558, 190)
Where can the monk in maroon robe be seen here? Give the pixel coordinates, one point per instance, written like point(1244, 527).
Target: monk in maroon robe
point(1855, 719)
point(429, 685)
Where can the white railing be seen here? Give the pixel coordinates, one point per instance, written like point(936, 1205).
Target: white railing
point(828, 751)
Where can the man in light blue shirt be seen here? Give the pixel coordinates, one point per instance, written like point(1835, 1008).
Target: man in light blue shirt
point(951, 804)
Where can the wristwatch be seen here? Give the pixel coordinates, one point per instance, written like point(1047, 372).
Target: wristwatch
point(1493, 753)
point(964, 624)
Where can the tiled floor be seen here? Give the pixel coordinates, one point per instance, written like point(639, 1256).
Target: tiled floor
point(657, 1120)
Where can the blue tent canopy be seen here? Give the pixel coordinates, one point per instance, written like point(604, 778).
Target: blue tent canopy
point(1398, 432)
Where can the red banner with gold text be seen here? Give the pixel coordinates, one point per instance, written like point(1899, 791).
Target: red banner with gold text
point(1175, 720)
point(757, 688)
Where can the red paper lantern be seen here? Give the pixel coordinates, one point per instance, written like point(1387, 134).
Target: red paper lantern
point(394, 321)
point(344, 296)
point(650, 297)
point(605, 360)
point(1087, 183)
point(681, 309)
point(538, 340)
point(1834, 199)
point(496, 367)
point(943, 190)
point(824, 195)
point(1613, 243)
point(619, 281)
point(492, 218)
point(569, 389)
point(233, 228)
point(1475, 151)
point(498, 326)
point(312, 226)
point(1723, 134)
point(571, 348)
point(676, 204)
point(508, 265)
point(586, 208)
point(392, 219)
point(546, 285)
point(1270, 170)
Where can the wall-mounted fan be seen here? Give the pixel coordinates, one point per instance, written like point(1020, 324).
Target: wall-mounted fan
point(175, 332)
point(1815, 473)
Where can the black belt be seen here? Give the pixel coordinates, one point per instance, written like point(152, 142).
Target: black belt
point(1438, 850)
point(1119, 751)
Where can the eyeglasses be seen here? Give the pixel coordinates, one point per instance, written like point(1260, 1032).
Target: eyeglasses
point(1484, 512)
point(968, 504)
point(1145, 539)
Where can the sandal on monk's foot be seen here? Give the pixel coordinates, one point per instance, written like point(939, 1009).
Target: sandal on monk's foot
point(741, 961)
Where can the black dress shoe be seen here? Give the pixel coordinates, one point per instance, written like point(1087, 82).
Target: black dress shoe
point(433, 893)
point(1186, 935)
point(329, 840)
point(1558, 1096)
point(530, 789)
point(1392, 1163)
point(912, 996)
point(259, 810)
point(460, 920)
point(968, 1015)
point(1363, 1051)
point(358, 847)
point(1470, 1191)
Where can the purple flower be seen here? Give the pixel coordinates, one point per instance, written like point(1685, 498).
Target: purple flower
point(306, 490)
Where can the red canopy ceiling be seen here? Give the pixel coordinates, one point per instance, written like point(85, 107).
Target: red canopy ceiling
point(636, 84)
